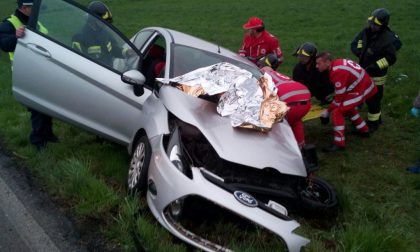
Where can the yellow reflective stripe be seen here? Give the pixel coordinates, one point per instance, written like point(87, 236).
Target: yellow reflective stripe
point(375, 20)
point(267, 62)
point(11, 56)
point(15, 21)
point(42, 28)
point(76, 45)
point(374, 117)
point(359, 44)
point(105, 16)
point(382, 63)
point(304, 53)
point(379, 80)
point(16, 24)
point(94, 50)
point(109, 46)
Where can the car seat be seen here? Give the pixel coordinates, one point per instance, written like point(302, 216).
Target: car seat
point(154, 63)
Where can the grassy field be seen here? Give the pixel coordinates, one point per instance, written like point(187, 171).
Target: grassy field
point(379, 199)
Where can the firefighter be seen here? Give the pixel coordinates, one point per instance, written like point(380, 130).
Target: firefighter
point(258, 42)
point(305, 72)
point(352, 87)
point(11, 29)
point(376, 47)
point(295, 94)
point(95, 41)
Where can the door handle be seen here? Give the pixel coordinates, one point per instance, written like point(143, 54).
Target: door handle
point(40, 50)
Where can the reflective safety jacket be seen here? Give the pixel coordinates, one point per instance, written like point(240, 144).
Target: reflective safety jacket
point(8, 29)
point(376, 50)
point(351, 83)
point(288, 90)
point(255, 48)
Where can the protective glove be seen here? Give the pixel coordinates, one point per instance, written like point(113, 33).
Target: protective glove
point(325, 117)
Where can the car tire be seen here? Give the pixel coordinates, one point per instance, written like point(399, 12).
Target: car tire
point(318, 201)
point(139, 166)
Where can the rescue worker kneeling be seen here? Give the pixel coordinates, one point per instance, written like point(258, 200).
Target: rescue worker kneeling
point(293, 93)
point(352, 87)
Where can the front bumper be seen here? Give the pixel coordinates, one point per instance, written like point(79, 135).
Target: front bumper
point(171, 184)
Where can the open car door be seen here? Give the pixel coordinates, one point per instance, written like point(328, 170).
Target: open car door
point(53, 73)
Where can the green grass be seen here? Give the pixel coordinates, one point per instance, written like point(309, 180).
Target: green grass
point(379, 199)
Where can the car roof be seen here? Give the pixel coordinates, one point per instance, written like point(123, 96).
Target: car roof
point(194, 42)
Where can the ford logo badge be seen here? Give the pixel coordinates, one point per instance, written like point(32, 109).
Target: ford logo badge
point(245, 199)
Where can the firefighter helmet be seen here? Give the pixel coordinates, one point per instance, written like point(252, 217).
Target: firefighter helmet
point(306, 49)
point(101, 10)
point(270, 60)
point(379, 17)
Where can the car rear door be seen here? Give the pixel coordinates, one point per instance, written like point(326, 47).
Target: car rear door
point(52, 75)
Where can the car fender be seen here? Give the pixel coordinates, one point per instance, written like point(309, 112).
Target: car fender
point(154, 120)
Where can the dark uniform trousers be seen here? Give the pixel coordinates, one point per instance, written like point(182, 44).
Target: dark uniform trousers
point(41, 129)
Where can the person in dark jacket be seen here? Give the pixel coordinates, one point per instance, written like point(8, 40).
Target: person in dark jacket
point(11, 29)
point(376, 47)
point(306, 72)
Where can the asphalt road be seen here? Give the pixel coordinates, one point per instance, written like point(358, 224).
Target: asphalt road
point(29, 221)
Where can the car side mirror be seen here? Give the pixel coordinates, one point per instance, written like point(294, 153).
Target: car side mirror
point(135, 78)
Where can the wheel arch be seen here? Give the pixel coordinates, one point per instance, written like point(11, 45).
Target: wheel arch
point(141, 132)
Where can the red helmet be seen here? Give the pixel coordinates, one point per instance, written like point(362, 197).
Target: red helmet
point(253, 23)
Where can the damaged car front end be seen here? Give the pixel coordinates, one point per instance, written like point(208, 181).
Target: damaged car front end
point(203, 156)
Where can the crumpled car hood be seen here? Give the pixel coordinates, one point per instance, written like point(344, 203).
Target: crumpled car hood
point(276, 149)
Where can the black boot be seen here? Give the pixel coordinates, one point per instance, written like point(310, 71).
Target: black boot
point(333, 148)
point(373, 126)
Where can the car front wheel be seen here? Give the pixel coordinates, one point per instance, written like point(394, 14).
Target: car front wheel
point(139, 166)
point(319, 200)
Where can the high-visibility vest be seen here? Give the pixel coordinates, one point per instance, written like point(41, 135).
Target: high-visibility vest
point(17, 24)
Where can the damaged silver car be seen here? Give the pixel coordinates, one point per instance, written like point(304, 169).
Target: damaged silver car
point(181, 148)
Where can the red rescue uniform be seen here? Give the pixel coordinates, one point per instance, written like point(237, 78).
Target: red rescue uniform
point(255, 48)
point(352, 87)
point(297, 97)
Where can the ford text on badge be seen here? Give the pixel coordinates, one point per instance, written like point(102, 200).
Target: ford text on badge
point(245, 199)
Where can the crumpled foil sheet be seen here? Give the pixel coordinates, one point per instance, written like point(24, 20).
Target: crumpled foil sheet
point(250, 103)
point(214, 79)
point(253, 104)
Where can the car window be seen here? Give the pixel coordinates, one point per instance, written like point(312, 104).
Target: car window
point(154, 60)
point(85, 34)
point(187, 59)
point(141, 38)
